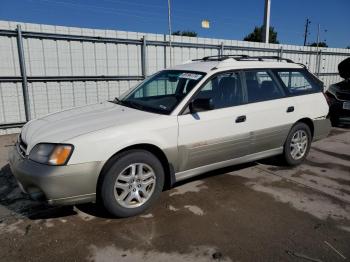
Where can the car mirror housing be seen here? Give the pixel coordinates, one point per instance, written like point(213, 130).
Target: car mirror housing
point(201, 104)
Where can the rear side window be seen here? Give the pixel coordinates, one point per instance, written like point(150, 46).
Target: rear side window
point(298, 82)
point(261, 86)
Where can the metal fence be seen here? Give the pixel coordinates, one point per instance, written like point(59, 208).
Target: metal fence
point(45, 68)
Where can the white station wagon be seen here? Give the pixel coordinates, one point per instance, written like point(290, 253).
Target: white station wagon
point(180, 122)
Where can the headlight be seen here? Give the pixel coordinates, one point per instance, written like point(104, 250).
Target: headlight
point(51, 154)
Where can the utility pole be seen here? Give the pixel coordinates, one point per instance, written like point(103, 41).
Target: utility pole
point(318, 35)
point(266, 26)
point(308, 22)
point(170, 32)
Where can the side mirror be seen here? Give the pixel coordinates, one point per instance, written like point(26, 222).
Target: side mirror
point(201, 104)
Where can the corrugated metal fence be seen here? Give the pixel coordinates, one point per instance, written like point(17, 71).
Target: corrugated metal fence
point(63, 67)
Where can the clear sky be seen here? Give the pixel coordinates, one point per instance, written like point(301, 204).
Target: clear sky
point(230, 19)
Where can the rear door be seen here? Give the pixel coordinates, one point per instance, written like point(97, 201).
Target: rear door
point(307, 93)
point(271, 110)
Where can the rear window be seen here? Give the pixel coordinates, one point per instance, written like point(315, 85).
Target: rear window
point(298, 82)
point(261, 86)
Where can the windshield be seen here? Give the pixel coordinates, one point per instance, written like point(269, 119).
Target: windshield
point(162, 92)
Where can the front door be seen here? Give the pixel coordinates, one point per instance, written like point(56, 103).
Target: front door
point(216, 135)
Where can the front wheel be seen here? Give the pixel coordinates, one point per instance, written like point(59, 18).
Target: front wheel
point(297, 145)
point(132, 183)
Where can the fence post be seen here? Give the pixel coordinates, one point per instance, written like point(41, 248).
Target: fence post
point(22, 67)
point(280, 53)
point(165, 56)
point(144, 57)
point(221, 51)
point(319, 63)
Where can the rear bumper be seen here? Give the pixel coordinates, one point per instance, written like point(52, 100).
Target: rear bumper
point(322, 127)
point(336, 110)
point(58, 185)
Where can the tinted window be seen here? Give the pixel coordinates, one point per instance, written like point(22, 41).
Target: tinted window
point(225, 90)
point(298, 82)
point(261, 86)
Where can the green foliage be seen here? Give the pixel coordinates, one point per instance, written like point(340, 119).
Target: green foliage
point(185, 33)
point(320, 44)
point(256, 35)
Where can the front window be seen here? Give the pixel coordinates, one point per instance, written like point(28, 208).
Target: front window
point(224, 90)
point(162, 92)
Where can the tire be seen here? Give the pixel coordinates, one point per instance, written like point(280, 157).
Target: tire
point(132, 183)
point(298, 136)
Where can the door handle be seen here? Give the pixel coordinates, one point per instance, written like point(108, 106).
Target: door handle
point(241, 119)
point(290, 109)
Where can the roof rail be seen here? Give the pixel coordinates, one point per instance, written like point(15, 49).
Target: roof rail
point(263, 58)
point(220, 57)
point(243, 58)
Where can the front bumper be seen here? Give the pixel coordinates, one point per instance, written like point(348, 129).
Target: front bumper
point(58, 185)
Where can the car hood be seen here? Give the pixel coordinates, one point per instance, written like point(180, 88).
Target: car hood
point(62, 126)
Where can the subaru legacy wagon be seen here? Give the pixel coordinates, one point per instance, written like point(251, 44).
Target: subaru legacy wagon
point(178, 123)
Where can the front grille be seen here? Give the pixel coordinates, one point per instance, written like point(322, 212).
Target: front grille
point(21, 146)
point(343, 96)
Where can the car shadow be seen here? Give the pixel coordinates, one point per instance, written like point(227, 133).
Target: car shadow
point(216, 172)
point(16, 202)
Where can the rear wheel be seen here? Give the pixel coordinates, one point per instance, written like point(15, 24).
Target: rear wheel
point(297, 144)
point(132, 183)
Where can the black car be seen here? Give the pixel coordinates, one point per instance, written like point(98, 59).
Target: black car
point(338, 95)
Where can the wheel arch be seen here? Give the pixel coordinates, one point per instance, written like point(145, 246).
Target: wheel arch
point(309, 123)
point(155, 150)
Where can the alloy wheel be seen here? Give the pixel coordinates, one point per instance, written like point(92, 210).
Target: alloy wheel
point(134, 185)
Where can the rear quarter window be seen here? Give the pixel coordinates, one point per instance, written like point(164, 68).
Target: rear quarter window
point(298, 82)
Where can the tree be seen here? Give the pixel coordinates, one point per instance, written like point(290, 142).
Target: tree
point(320, 44)
point(185, 33)
point(256, 35)
point(348, 47)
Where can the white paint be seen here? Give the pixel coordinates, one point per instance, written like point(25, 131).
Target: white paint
point(345, 228)
point(299, 197)
point(147, 215)
point(112, 253)
point(49, 223)
point(320, 206)
point(192, 187)
point(172, 208)
point(84, 216)
point(16, 227)
point(195, 210)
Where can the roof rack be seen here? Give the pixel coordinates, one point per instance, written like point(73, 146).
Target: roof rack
point(220, 57)
point(263, 58)
point(243, 58)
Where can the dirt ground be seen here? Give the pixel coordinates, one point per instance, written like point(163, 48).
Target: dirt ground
point(260, 211)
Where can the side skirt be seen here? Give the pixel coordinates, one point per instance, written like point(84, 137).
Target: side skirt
point(248, 158)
